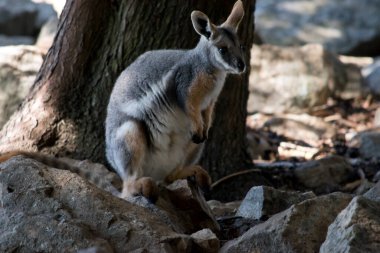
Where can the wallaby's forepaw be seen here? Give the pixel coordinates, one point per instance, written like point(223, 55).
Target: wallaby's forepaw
point(197, 175)
point(144, 186)
point(197, 139)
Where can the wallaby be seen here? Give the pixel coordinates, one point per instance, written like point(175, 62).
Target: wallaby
point(161, 107)
point(160, 111)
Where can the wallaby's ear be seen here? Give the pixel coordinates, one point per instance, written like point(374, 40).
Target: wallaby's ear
point(235, 17)
point(202, 24)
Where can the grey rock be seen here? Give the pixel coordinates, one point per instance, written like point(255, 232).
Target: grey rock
point(324, 175)
point(45, 13)
point(373, 193)
point(368, 143)
point(301, 228)
point(23, 17)
point(264, 201)
point(50, 210)
point(206, 241)
point(342, 26)
point(371, 74)
point(292, 79)
point(15, 40)
point(356, 229)
point(18, 17)
point(18, 68)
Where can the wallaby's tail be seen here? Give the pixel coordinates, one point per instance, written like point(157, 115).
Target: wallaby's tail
point(97, 179)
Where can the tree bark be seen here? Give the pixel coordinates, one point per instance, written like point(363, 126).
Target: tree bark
point(65, 111)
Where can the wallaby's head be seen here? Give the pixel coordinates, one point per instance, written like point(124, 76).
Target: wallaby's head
point(222, 41)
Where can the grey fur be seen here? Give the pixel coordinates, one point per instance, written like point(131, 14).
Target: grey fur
point(152, 93)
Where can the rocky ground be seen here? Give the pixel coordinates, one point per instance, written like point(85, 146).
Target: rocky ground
point(312, 132)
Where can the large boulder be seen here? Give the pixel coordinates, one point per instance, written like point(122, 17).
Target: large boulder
point(49, 210)
point(356, 229)
point(293, 79)
point(23, 17)
point(18, 68)
point(301, 228)
point(342, 26)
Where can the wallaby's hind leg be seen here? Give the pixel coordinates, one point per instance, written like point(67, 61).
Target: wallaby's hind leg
point(196, 172)
point(134, 183)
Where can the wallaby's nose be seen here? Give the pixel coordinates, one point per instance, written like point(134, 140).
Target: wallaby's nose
point(240, 65)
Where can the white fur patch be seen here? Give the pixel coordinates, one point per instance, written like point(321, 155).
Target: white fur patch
point(130, 128)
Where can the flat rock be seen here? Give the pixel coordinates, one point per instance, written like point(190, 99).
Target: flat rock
point(301, 228)
point(261, 202)
point(341, 26)
point(50, 210)
point(356, 229)
point(324, 175)
point(292, 79)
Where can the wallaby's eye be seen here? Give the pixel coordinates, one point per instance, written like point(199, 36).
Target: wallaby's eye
point(242, 47)
point(222, 50)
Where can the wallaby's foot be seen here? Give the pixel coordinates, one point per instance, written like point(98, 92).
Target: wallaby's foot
point(144, 186)
point(193, 173)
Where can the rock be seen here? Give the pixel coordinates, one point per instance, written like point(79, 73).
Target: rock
point(324, 175)
point(373, 193)
point(364, 187)
point(46, 36)
point(206, 241)
point(18, 68)
point(220, 209)
point(301, 228)
point(371, 74)
point(368, 143)
point(185, 205)
point(57, 4)
point(292, 79)
point(355, 82)
point(18, 17)
point(376, 119)
point(45, 12)
point(342, 26)
point(261, 202)
point(23, 17)
point(356, 229)
point(50, 210)
point(15, 40)
point(234, 226)
point(259, 146)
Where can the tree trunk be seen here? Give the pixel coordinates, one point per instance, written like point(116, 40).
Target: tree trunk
point(65, 111)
